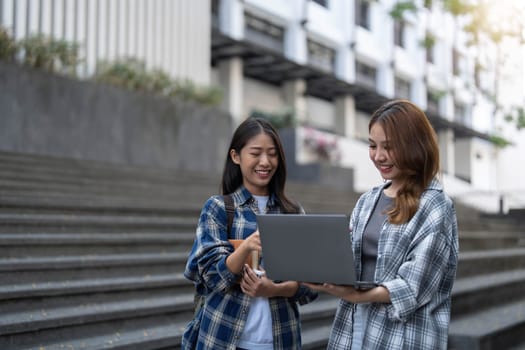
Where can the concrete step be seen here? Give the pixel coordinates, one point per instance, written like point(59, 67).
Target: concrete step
point(323, 307)
point(90, 261)
point(316, 321)
point(63, 222)
point(485, 240)
point(101, 280)
point(471, 294)
point(480, 262)
point(480, 223)
point(315, 338)
point(36, 314)
point(41, 251)
point(498, 327)
point(185, 190)
point(85, 205)
point(161, 331)
point(44, 164)
point(139, 177)
point(94, 238)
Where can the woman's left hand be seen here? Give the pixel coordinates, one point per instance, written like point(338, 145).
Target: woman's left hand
point(344, 292)
point(255, 285)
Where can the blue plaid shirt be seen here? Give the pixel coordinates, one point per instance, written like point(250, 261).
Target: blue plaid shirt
point(417, 263)
point(224, 313)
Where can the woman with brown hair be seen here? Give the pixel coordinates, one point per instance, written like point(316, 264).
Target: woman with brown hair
point(404, 237)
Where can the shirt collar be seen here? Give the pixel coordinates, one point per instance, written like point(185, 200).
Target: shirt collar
point(433, 185)
point(243, 197)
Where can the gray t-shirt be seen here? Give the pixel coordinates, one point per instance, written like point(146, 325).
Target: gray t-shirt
point(371, 237)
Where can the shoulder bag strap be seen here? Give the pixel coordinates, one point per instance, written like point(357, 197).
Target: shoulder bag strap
point(230, 211)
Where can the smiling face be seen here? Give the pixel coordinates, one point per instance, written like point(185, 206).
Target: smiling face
point(258, 161)
point(382, 156)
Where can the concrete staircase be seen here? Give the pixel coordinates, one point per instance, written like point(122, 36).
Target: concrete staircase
point(92, 254)
point(488, 305)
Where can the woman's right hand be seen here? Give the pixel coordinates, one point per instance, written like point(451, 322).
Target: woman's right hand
point(253, 242)
point(235, 261)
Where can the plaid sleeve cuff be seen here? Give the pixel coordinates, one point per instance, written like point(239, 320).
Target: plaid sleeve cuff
point(400, 309)
point(227, 277)
point(304, 295)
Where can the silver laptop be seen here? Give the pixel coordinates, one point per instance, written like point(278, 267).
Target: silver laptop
point(313, 248)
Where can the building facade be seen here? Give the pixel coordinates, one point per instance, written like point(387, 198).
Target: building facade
point(330, 63)
point(334, 62)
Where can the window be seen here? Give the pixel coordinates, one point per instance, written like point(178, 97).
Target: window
point(399, 33)
point(429, 42)
point(456, 57)
point(430, 54)
point(402, 88)
point(323, 3)
point(321, 56)
point(362, 13)
point(366, 75)
point(433, 98)
point(215, 13)
point(460, 114)
point(264, 32)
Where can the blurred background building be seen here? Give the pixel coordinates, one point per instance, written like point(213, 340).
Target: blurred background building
point(326, 65)
point(334, 62)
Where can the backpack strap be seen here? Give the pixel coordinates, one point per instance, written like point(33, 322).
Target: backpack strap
point(230, 211)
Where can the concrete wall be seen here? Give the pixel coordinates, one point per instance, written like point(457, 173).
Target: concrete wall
point(53, 115)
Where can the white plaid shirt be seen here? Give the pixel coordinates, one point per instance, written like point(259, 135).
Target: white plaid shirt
point(417, 263)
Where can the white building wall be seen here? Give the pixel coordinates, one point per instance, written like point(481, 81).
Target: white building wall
point(511, 160)
point(169, 35)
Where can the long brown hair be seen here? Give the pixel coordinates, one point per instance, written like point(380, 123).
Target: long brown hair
point(414, 149)
point(232, 176)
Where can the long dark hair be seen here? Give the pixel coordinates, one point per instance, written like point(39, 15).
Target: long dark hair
point(232, 176)
point(415, 152)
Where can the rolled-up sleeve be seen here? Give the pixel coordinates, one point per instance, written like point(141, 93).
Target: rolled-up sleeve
point(207, 261)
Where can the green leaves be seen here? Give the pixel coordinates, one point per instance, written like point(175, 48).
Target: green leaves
point(132, 74)
point(499, 141)
point(53, 55)
point(401, 7)
point(7, 46)
point(516, 115)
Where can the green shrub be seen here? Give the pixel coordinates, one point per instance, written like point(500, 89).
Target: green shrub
point(53, 55)
point(187, 90)
point(132, 74)
point(8, 45)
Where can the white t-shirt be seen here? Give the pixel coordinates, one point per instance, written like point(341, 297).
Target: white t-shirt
point(257, 333)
